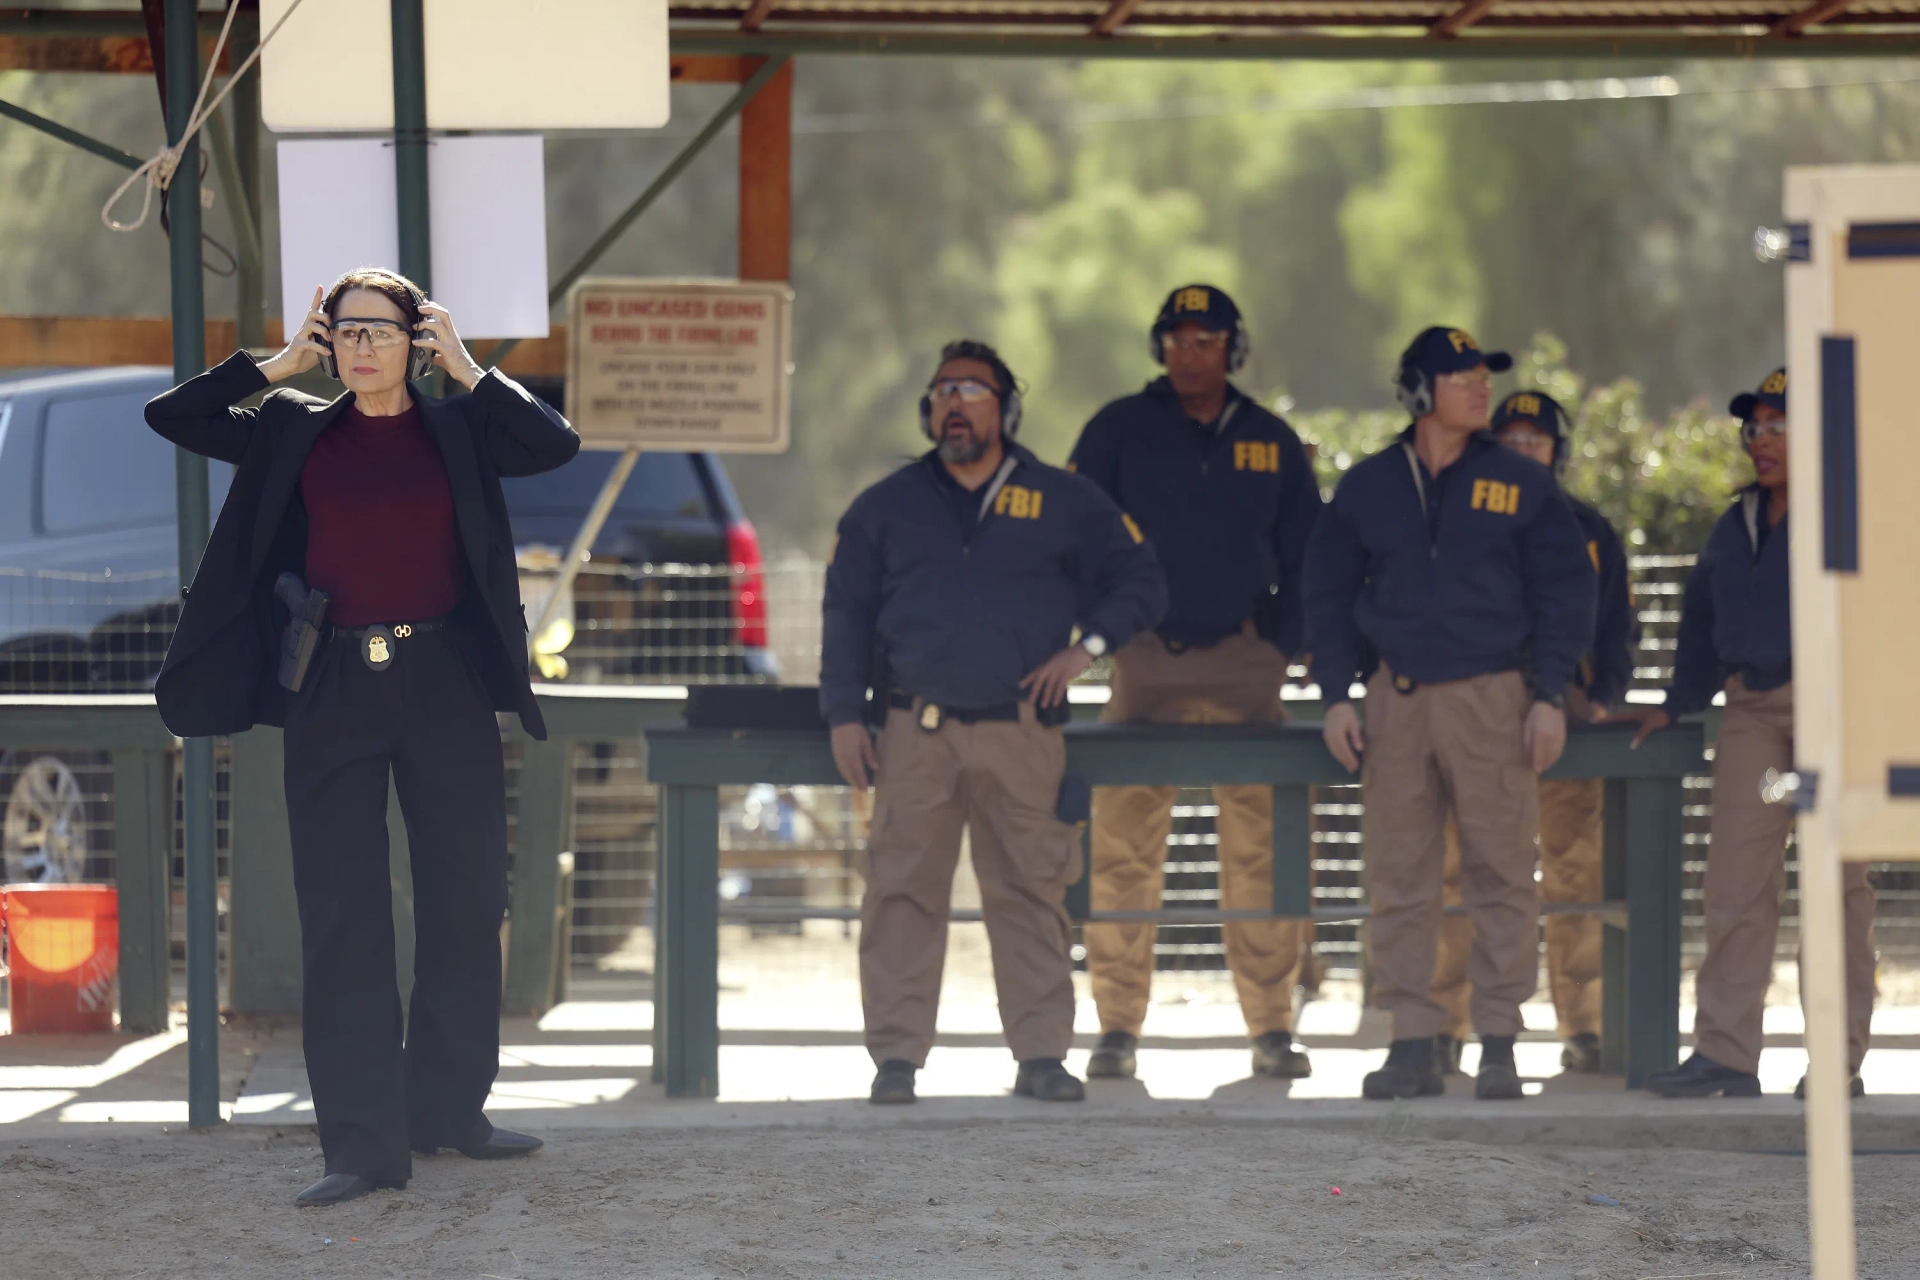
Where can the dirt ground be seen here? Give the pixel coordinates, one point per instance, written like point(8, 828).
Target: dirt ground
point(1179, 1197)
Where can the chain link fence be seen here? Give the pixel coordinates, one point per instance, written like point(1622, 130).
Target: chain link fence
point(784, 847)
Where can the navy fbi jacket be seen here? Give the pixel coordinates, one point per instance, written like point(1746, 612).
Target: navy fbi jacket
point(1491, 576)
point(1736, 615)
point(1228, 506)
point(1608, 670)
point(965, 593)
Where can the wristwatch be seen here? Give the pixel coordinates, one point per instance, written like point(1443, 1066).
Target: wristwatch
point(1094, 645)
point(1556, 700)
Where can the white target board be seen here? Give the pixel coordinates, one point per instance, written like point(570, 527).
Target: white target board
point(491, 65)
point(1853, 336)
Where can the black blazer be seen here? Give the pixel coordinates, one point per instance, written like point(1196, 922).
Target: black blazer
point(221, 671)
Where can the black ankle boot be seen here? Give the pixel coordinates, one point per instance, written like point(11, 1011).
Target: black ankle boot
point(1409, 1073)
point(1498, 1077)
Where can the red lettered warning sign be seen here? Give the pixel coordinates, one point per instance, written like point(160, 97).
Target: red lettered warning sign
point(680, 364)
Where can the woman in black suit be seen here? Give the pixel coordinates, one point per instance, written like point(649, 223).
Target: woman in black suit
point(390, 502)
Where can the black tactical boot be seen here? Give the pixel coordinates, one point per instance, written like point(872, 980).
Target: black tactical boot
point(1701, 1077)
point(1408, 1073)
point(893, 1083)
point(1113, 1057)
point(1498, 1077)
point(1446, 1054)
point(1581, 1054)
point(1275, 1054)
point(1855, 1087)
point(1048, 1080)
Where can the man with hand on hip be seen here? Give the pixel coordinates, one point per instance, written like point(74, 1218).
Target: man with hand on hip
point(954, 594)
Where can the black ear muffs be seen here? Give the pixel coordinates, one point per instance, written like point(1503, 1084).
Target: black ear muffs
point(1414, 389)
point(1237, 351)
point(1010, 410)
point(419, 359)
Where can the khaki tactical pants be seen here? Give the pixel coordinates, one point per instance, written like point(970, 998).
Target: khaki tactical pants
point(1572, 813)
point(1453, 747)
point(1001, 782)
point(1236, 681)
point(1746, 876)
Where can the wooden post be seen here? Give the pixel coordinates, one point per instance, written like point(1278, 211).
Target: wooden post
point(766, 181)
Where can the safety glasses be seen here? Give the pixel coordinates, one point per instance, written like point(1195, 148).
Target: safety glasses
point(1480, 377)
point(965, 390)
point(1751, 430)
point(1201, 343)
point(381, 335)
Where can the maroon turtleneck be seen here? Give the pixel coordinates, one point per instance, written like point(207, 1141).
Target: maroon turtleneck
point(381, 534)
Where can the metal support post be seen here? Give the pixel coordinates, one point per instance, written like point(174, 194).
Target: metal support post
point(1292, 850)
point(190, 488)
point(243, 113)
point(1653, 837)
point(410, 140)
point(686, 1006)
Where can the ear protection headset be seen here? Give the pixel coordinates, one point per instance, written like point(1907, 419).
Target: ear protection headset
point(1413, 387)
point(419, 359)
point(1009, 415)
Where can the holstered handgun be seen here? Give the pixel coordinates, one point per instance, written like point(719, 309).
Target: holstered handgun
point(302, 636)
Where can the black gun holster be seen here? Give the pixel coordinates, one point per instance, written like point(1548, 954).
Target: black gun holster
point(304, 629)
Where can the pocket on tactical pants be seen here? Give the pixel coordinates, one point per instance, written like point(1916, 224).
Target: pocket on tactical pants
point(1044, 847)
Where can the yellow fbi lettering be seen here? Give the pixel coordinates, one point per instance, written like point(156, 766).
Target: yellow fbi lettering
point(1492, 495)
point(1256, 455)
point(1524, 405)
point(1593, 554)
point(1192, 300)
point(1019, 502)
point(1132, 528)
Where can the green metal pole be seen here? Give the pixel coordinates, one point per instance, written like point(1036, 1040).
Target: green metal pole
point(410, 140)
point(190, 490)
point(243, 111)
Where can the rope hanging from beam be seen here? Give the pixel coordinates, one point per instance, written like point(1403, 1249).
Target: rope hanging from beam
point(157, 173)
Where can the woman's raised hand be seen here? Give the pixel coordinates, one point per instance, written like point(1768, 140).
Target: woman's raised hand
point(306, 347)
point(435, 332)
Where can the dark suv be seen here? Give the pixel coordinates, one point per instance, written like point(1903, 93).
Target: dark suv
point(89, 591)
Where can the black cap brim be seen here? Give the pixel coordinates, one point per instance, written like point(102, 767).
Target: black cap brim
point(1742, 405)
point(1499, 361)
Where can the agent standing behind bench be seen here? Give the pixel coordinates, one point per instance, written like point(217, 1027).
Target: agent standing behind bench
point(966, 572)
point(390, 502)
point(1224, 492)
point(1736, 635)
point(1461, 564)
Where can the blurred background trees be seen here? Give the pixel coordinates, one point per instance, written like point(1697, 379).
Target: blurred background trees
point(1048, 207)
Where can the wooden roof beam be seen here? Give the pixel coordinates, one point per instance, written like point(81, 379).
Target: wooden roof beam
point(757, 13)
point(1460, 19)
point(1114, 18)
point(1796, 24)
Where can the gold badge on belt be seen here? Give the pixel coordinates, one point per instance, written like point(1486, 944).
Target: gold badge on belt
point(929, 716)
point(376, 648)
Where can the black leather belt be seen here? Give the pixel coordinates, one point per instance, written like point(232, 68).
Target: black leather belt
point(376, 643)
point(398, 630)
point(1006, 712)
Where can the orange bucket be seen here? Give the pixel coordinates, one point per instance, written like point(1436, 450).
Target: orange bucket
point(63, 955)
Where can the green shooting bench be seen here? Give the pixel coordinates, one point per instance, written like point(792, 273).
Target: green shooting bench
point(1642, 910)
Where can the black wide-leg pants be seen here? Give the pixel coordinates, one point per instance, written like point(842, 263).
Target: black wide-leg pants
point(424, 719)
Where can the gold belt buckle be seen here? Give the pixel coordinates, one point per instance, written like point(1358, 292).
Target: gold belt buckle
point(929, 716)
point(404, 630)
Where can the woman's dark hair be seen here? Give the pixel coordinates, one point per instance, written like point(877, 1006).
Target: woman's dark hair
point(969, 349)
point(394, 287)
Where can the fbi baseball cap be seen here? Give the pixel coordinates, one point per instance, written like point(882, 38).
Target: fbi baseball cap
point(1537, 407)
point(1441, 350)
point(1771, 391)
point(1200, 304)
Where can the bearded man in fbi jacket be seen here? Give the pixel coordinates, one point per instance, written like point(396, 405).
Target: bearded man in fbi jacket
point(1224, 492)
point(1460, 564)
point(954, 594)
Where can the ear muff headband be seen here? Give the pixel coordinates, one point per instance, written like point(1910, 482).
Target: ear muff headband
point(1414, 389)
point(1010, 409)
point(1237, 350)
point(419, 359)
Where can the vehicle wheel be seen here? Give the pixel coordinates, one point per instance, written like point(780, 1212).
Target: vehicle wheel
point(43, 838)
